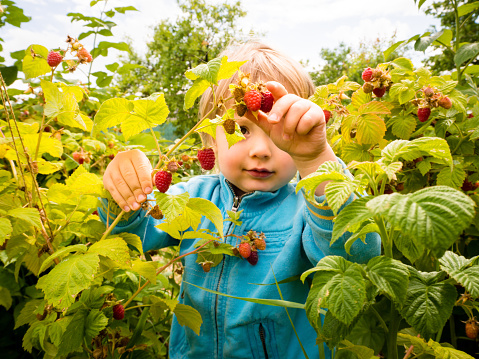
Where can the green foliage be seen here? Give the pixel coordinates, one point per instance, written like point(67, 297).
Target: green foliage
point(195, 37)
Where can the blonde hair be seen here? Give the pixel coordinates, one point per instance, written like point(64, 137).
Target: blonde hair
point(264, 64)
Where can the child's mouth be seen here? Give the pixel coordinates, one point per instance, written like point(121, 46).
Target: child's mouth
point(259, 173)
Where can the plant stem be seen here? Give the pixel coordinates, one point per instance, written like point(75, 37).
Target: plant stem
point(392, 335)
point(452, 330)
point(457, 38)
point(158, 271)
point(113, 225)
point(156, 142)
point(388, 248)
point(382, 323)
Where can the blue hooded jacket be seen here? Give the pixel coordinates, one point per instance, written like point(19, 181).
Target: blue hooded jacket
point(297, 234)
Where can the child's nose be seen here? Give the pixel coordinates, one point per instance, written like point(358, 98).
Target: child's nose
point(260, 146)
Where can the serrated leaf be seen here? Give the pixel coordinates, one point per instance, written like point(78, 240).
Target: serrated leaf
point(208, 71)
point(390, 276)
point(370, 129)
point(403, 63)
point(132, 240)
point(29, 215)
point(148, 113)
point(196, 90)
point(452, 178)
point(467, 8)
point(35, 66)
point(27, 313)
point(329, 170)
point(338, 192)
point(5, 298)
point(361, 351)
point(68, 279)
point(466, 52)
point(444, 352)
point(73, 336)
point(188, 316)
point(391, 169)
point(146, 269)
point(5, 229)
point(172, 205)
point(339, 286)
point(391, 49)
point(426, 40)
point(428, 305)
point(410, 150)
point(95, 322)
point(112, 112)
point(360, 98)
point(368, 228)
point(355, 212)
point(403, 126)
point(373, 107)
point(114, 248)
point(208, 209)
point(81, 248)
point(462, 270)
point(434, 216)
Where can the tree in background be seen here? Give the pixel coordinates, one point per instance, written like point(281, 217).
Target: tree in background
point(444, 11)
point(346, 60)
point(196, 36)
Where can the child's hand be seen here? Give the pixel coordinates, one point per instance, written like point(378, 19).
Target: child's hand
point(297, 126)
point(128, 179)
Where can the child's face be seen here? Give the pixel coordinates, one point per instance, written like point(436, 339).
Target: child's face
point(253, 164)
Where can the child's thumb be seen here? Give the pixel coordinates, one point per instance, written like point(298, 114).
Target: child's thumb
point(276, 89)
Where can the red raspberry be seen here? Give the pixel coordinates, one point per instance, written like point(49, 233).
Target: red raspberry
point(380, 91)
point(244, 249)
point(54, 58)
point(445, 102)
point(327, 115)
point(163, 180)
point(83, 54)
point(207, 158)
point(253, 258)
point(423, 113)
point(367, 74)
point(471, 115)
point(118, 312)
point(267, 101)
point(260, 244)
point(252, 99)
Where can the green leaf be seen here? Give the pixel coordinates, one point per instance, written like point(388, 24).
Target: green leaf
point(466, 52)
point(410, 248)
point(5, 298)
point(69, 278)
point(9, 74)
point(403, 63)
point(112, 113)
point(228, 68)
point(428, 305)
point(373, 107)
point(403, 126)
point(188, 316)
point(5, 229)
point(410, 150)
point(390, 276)
point(467, 8)
point(132, 240)
point(81, 248)
point(353, 213)
point(272, 302)
point(425, 41)
point(29, 215)
point(27, 313)
point(146, 269)
point(103, 46)
point(208, 209)
point(73, 335)
point(461, 269)
point(208, 71)
point(34, 66)
point(361, 351)
point(196, 90)
point(329, 170)
point(391, 49)
point(338, 192)
point(444, 352)
point(367, 228)
point(114, 248)
point(434, 216)
point(172, 205)
point(370, 129)
point(339, 286)
point(95, 322)
point(452, 178)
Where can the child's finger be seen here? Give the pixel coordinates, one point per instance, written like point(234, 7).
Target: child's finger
point(110, 185)
point(293, 118)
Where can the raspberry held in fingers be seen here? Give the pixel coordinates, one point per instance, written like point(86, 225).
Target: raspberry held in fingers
point(163, 180)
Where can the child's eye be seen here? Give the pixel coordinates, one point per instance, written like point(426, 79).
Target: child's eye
point(244, 130)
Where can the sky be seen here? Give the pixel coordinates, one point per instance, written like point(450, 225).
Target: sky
point(299, 28)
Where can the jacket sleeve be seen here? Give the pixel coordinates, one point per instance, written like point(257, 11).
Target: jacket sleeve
point(318, 233)
point(141, 224)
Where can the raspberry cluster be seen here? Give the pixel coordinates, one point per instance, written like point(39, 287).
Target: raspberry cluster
point(431, 98)
point(249, 246)
point(376, 81)
point(251, 96)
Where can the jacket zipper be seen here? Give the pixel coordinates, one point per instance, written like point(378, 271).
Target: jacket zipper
point(236, 203)
point(262, 336)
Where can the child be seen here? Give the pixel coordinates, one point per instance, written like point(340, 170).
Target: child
point(254, 177)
